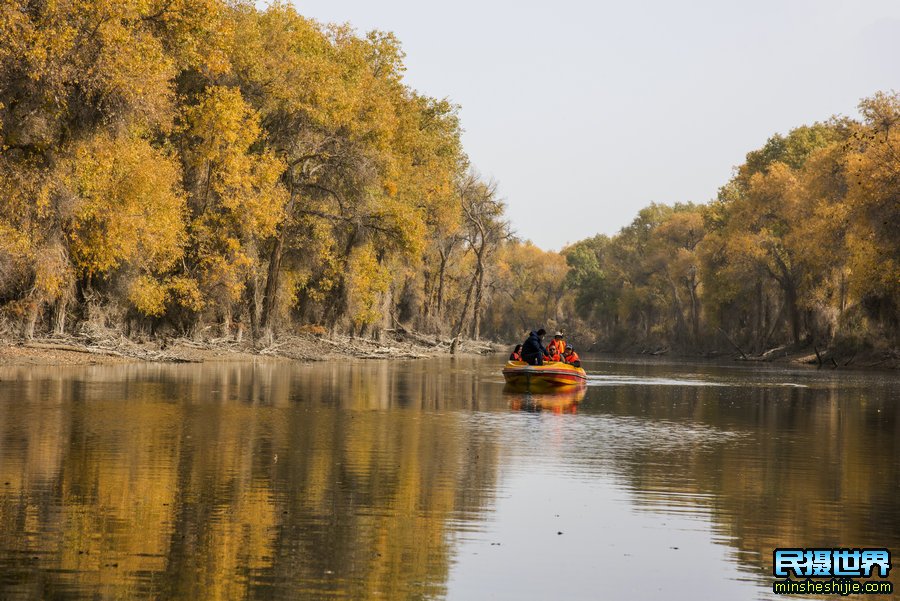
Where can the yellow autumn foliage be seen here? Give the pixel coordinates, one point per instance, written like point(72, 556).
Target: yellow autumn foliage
point(121, 202)
point(368, 279)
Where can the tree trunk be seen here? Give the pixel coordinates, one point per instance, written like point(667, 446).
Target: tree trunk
point(439, 308)
point(772, 326)
point(226, 321)
point(788, 280)
point(760, 319)
point(557, 301)
point(545, 310)
point(427, 294)
point(457, 330)
point(387, 312)
point(338, 307)
point(843, 295)
point(479, 291)
point(59, 316)
point(250, 292)
point(30, 319)
point(273, 273)
point(790, 297)
point(678, 311)
point(695, 313)
point(272, 276)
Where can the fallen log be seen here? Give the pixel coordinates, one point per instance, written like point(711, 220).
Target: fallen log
point(136, 353)
point(732, 343)
point(55, 346)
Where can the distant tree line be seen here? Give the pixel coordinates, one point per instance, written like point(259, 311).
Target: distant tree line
point(210, 168)
point(802, 246)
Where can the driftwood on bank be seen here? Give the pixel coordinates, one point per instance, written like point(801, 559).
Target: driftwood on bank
point(69, 347)
point(732, 343)
point(397, 343)
point(111, 347)
point(399, 328)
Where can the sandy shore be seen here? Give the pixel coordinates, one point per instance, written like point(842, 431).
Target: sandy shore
point(77, 351)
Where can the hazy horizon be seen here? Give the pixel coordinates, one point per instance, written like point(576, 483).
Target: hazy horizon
point(604, 108)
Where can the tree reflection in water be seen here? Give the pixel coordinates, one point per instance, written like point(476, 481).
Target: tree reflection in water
point(233, 481)
point(564, 400)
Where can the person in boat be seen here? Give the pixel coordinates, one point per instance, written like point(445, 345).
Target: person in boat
point(552, 352)
point(533, 350)
point(516, 355)
point(571, 357)
point(560, 342)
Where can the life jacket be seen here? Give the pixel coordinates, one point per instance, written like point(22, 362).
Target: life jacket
point(515, 356)
point(571, 357)
point(561, 345)
point(552, 352)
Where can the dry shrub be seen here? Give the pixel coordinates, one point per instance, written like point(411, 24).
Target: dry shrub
point(313, 329)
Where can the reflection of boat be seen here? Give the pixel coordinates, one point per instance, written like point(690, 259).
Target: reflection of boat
point(541, 378)
point(564, 400)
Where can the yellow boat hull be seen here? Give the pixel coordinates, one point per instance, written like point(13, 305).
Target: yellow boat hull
point(543, 378)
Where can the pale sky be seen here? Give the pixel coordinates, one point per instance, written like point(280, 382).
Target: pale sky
point(585, 112)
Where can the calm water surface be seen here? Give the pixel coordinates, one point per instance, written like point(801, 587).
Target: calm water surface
point(425, 480)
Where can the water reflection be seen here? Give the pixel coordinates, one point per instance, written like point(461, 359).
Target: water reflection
point(234, 481)
point(564, 400)
point(425, 480)
point(778, 458)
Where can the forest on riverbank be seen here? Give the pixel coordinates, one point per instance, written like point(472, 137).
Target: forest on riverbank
point(801, 248)
point(210, 169)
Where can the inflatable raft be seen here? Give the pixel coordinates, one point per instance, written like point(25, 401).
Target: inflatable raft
point(546, 377)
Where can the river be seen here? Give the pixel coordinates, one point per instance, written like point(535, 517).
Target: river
point(425, 480)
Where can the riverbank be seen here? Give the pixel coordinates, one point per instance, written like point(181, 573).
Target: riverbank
point(825, 358)
point(829, 358)
point(394, 345)
point(295, 347)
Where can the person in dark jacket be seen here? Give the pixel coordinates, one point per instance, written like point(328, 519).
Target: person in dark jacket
point(533, 350)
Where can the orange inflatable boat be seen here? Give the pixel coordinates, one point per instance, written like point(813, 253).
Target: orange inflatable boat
point(542, 378)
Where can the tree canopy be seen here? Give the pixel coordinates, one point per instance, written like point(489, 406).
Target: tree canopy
point(173, 165)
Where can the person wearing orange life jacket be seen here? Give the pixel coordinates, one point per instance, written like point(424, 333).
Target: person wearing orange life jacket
point(552, 352)
point(516, 355)
point(571, 357)
point(560, 343)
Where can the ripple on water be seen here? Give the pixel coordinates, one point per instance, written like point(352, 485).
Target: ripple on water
point(618, 380)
